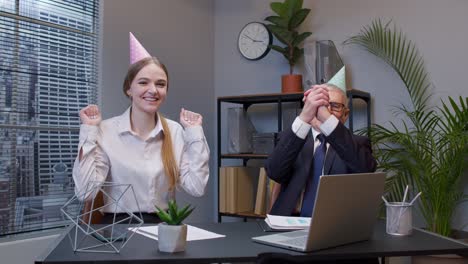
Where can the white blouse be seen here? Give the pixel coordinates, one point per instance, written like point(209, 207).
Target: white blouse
point(113, 153)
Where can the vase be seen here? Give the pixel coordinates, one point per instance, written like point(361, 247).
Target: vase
point(172, 238)
point(291, 83)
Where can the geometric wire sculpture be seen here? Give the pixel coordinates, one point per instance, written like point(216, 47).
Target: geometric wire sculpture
point(110, 238)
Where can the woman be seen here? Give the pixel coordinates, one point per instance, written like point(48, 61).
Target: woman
point(141, 147)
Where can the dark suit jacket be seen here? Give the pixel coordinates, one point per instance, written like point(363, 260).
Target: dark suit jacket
point(290, 163)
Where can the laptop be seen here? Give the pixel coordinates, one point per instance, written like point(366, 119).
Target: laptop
point(345, 211)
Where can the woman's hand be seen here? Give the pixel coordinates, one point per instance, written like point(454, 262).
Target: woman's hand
point(90, 115)
point(189, 118)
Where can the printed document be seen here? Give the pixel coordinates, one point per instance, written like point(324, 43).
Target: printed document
point(193, 233)
point(287, 222)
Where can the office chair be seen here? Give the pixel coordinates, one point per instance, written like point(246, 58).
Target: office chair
point(96, 216)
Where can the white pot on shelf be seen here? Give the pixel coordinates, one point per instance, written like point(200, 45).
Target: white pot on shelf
point(172, 238)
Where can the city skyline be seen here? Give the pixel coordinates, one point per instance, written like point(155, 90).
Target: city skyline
point(48, 72)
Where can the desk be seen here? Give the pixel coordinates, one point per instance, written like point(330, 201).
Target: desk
point(237, 246)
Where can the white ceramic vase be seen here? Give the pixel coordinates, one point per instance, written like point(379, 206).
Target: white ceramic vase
point(172, 238)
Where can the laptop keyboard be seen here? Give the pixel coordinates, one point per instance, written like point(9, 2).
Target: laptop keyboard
point(298, 241)
point(295, 238)
point(295, 234)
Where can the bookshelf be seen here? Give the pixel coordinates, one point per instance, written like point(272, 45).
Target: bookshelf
point(276, 98)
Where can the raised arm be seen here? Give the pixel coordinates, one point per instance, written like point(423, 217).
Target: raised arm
point(194, 161)
point(91, 164)
point(279, 165)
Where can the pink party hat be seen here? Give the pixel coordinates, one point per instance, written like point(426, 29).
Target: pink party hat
point(137, 51)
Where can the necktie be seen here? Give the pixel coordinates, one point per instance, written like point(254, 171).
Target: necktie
point(312, 183)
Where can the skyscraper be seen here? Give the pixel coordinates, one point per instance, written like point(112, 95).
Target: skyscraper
point(48, 72)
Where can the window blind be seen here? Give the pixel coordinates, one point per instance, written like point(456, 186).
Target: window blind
point(48, 71)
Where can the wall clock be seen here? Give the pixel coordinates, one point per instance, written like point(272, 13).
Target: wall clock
point(253, 41)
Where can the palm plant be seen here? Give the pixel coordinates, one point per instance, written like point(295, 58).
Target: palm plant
point(427, 148)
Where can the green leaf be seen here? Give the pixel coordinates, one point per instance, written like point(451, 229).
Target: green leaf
point(283, 35)
point(185, 214)
point(279, 21)
point(297, 54)
point(278, 8)
point(278, 49)
point(297, 5)
point(292, 6)
point(173, 209)
point(298, 18)
point(174, 216)
point(165, 217)
point(186, 208)
point(301, 37)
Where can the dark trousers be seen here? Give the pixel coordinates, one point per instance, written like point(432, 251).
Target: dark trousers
point(108, 218)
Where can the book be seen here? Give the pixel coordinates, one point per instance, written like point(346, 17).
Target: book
point(260, 200)
point(231, 191)
point(222, 190)
point(239, 188)
point(245, 188)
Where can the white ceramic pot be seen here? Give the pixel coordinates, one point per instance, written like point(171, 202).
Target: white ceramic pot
point(172, 238)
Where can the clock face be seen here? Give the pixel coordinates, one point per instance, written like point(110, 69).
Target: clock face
point(253, 41)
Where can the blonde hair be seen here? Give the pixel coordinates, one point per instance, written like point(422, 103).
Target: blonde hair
point(167, 154)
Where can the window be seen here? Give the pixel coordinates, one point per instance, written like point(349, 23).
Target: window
point(48, 70)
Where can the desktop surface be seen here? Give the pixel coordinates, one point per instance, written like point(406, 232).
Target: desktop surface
point(237, 246)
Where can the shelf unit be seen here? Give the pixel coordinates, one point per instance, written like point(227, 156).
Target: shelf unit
point(278, 98)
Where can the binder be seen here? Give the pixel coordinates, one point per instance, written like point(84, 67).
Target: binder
point(222, 190)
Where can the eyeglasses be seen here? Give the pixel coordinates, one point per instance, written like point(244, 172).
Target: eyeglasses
point(336, 107)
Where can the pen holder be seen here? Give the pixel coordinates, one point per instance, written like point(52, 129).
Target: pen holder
point(399, 219)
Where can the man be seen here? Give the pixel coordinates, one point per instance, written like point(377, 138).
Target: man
point(291, 163)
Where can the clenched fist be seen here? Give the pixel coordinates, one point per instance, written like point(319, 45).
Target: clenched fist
point(314, 98)
point(189, 118)
point(90, 115)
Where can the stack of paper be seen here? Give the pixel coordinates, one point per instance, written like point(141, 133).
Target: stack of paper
point(193, 233)
point(287, 222)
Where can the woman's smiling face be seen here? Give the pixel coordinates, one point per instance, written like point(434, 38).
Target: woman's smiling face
point(148, 89)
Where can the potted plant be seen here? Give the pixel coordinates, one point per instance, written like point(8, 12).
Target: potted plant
point(427, 148)
point(289, 16)
point(172, 234)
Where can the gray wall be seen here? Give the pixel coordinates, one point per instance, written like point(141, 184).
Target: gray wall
point(180, 34)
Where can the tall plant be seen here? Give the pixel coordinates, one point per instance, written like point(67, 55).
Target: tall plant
point(427, 148)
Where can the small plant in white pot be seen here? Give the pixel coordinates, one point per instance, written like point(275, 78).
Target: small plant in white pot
point(172, 234)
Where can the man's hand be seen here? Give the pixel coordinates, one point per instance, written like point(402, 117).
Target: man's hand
point(90, 115)
point(313, 98)
point(323, 113)
point(189, 118)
